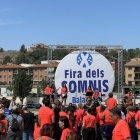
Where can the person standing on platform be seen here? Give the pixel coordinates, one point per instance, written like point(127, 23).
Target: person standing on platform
point(89, 90)
point(96, 94)
point(52, 90)
point(48, 89)
point(64, 91)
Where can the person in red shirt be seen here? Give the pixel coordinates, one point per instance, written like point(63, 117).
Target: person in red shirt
point(111, 102)
point(45, 114)
point(47, 89)
point(138, 123)
point(46, 132)
point(121, 130)
point(98, 108)
point(37, 129)
point(81, 111)
point(64, 91)
point(101, 122)
point(52, 90)
point(89, 90)
point(89, 126)
point(129, 116)
point(64, 124)
point(96, 94)
point(108, 126)
point(63, 113)
point(129, 98)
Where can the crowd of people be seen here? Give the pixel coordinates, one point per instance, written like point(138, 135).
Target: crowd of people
point(91, 121)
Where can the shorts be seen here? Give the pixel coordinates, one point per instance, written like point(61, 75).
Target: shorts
point(2, 133)
point(52, 96)
point(65, 97)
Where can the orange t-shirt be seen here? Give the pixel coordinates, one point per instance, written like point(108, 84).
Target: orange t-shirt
point(47, 89)
point(64, 133)
point(89, 121)
point(96, 95)
point(100, 114)
point(128, 116)
point(63, 114)
point(111, 102)
point(98, 109)
point(46, 114)
point(138, 117)
point(81, 112)
point(121, 131)
point(52, 90)
point(63, 90)
point(37, 132)
point(106, 113)
point(44, 138)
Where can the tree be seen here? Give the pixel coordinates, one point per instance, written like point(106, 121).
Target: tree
point(113, 54)
point(1, 50)
point(38, 89)
point(6, 59)
point(10, 88)
point(23, 85)
point(133, 90)
point(43, 85)
point(22, 49)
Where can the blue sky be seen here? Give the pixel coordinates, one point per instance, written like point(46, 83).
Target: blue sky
point(69, 22)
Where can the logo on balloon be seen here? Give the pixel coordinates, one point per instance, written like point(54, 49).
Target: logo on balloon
point(84, 59)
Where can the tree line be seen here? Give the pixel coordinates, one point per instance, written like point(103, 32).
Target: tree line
point(40, 54)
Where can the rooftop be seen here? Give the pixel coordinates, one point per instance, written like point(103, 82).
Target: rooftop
point(133, 63)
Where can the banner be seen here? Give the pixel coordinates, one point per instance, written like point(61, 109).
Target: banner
point(81, 69)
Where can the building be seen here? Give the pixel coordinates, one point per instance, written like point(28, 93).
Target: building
point(33, 47)
point(114, 65)
point(132, 75)
point(38, 72)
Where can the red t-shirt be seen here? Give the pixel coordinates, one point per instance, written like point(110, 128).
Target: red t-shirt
point(47, 89)
point(96, 95)
point(138, 117)
point(89, 121)
point(128, 116)
point(106, 113)
point(111, 102)
point(63, 90)
point(81, 112)
point(101, 122)
point(46, 114)
point(63, 114)
point(36, 132)
point(44, 138)
point(64, 133)
point(121, 131)
point(52, 90)
point(98, 109)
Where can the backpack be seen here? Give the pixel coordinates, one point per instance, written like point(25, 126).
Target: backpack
point(1, 128)
point(132, 123)
point(74, 127)
point(40, 138)
point(15, 124)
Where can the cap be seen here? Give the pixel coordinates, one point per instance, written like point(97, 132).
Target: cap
point(24, 107)
point(14, 107)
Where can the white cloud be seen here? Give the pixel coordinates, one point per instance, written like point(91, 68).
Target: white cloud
point(11, 22)
point(5, 10)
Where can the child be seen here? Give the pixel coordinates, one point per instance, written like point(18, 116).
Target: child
point(3, 128)
point(37, 129)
